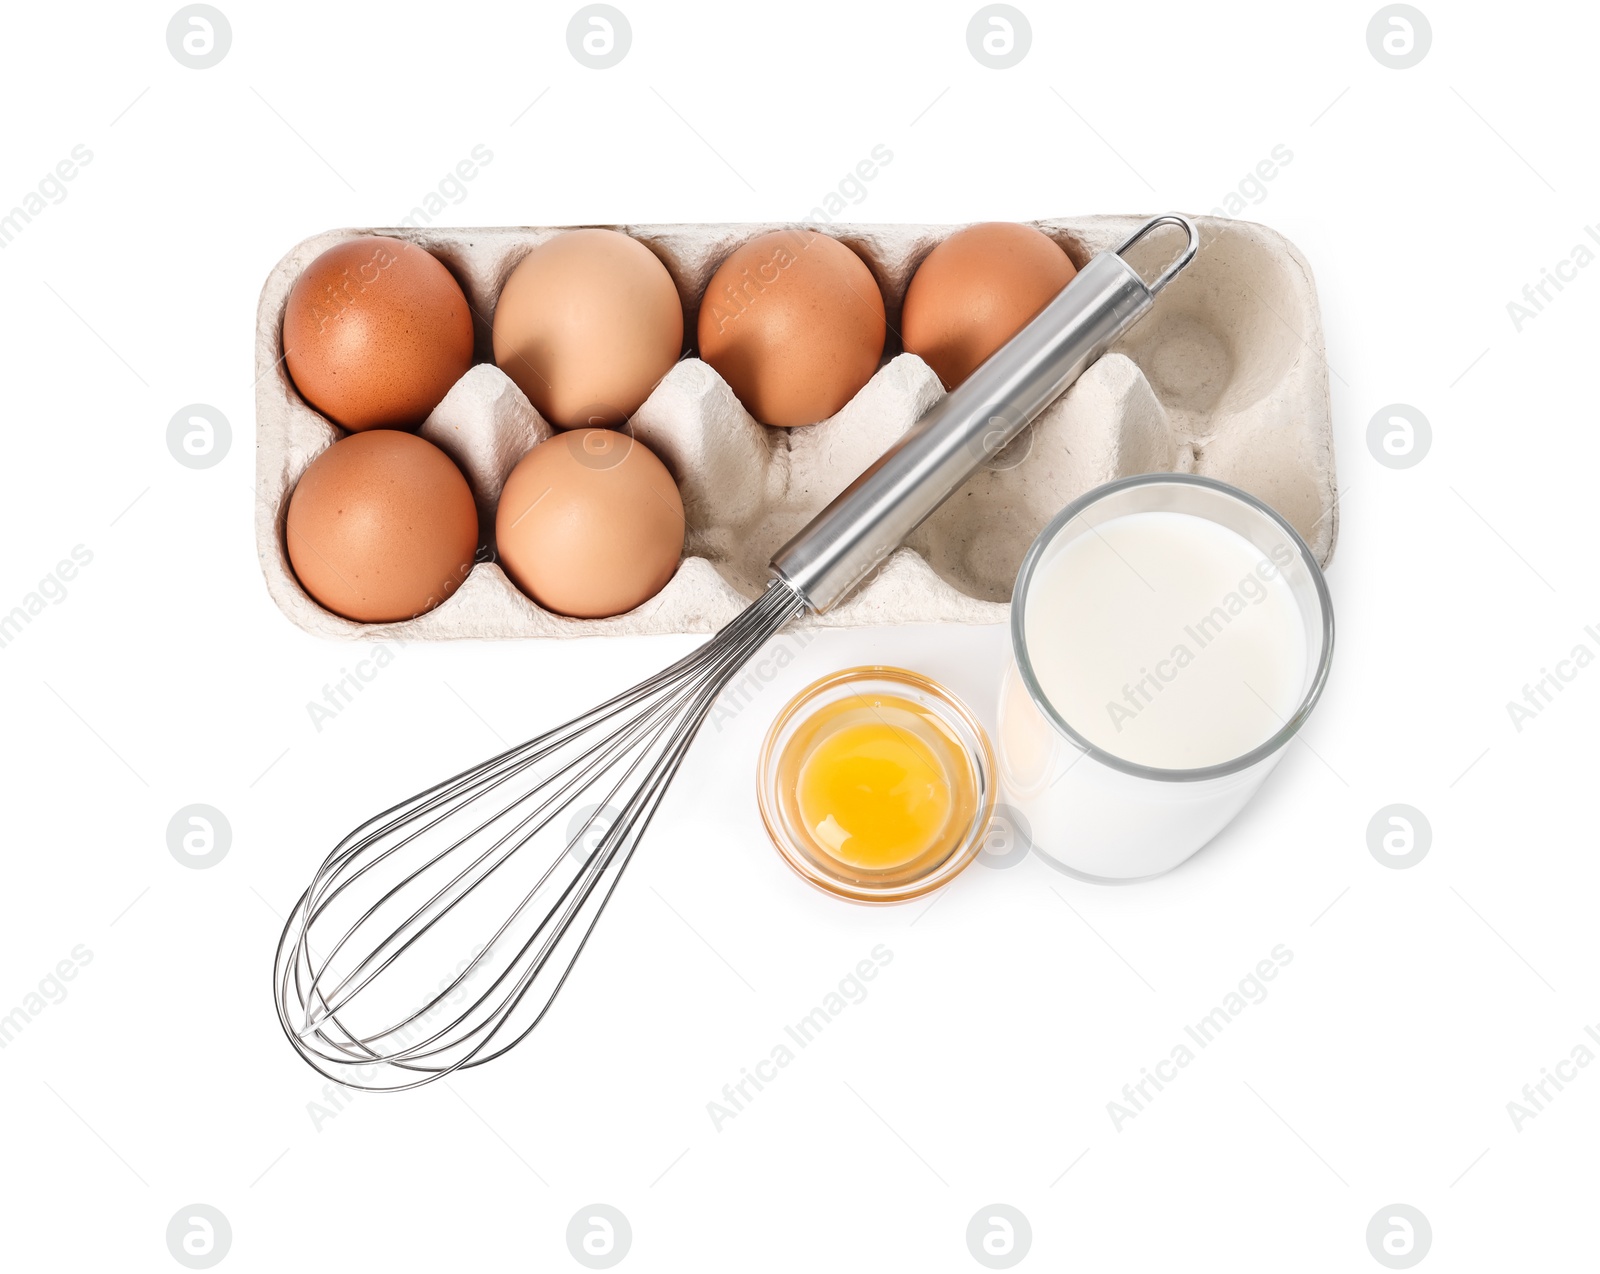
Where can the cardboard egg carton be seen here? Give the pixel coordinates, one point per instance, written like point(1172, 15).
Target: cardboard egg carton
point(1225, 377)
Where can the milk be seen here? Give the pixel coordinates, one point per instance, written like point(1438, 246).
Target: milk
point(1167, 639)
point(1169, 634)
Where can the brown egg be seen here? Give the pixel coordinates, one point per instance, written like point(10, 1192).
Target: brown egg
point(977, 290)
point(381, 527)
point(375, 333)
point(590, 524)
point(793, 321)
point(586, 325)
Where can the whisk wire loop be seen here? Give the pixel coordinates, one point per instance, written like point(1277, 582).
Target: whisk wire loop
point(370, 930)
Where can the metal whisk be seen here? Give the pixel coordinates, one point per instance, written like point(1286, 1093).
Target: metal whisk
point(437, 935)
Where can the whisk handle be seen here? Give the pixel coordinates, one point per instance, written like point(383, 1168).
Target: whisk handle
point(960, 433)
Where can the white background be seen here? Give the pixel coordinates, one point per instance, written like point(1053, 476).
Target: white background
point(1418, 1002)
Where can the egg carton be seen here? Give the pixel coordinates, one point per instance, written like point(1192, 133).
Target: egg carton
point(1225, 377)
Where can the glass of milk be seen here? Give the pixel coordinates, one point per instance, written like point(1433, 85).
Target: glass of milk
point(1169, 636)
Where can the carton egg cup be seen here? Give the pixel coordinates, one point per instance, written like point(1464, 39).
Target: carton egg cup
point(1225, 377)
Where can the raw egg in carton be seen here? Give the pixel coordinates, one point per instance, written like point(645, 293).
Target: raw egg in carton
point(1226, 378)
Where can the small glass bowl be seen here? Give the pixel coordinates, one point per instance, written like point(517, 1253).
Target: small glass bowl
point(867, 885)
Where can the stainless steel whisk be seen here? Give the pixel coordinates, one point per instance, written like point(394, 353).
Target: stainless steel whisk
point(399, 966)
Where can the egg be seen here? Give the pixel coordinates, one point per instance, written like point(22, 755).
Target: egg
point(590, 524)
point(794, 322)
point(381, 527)
point(586, 325)
point(977, 290)
point(375, 333)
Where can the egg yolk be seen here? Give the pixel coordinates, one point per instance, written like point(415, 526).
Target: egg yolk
point(873, 795)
